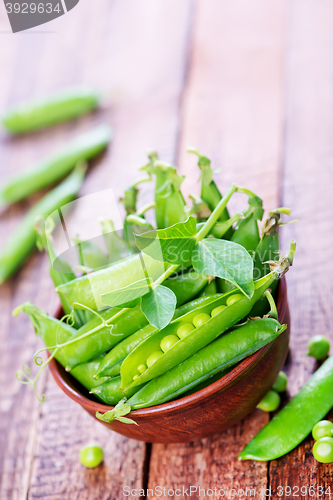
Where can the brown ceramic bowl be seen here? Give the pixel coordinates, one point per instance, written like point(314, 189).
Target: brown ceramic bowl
point(208, 411)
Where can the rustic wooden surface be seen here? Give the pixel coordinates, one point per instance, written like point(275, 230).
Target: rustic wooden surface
point(248, 83)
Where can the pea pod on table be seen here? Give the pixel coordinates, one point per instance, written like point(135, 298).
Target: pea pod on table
point(23, 240)
point(190, 333)
point(295, 421)
point(56, 166)
point(220, 354)
point(57, 108)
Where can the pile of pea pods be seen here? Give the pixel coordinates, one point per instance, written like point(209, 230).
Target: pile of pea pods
point(170, 303)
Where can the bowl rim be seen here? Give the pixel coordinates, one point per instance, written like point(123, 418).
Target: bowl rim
point(187, 401)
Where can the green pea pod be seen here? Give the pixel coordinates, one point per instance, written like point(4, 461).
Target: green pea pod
point(60, 107)
point(209, 190)
point(56, 166)
point(209, 381)
point(85, 372)
point(50, 330)
point(235, 345)
point(58, 276)
point(100, 338)
point(221, 229)
point(87, 290)
point(22, 242)
point(91, 256)
point(266, 251)
point(295, 421)
point(115, 357)
point(103, 337)
point(53, 332)
point(209, 289)
point(116, 246)
point(130, 197)
point(170, 203)
point(247, 232)
point(196, 339)
point(109, 392)
point(186, 286)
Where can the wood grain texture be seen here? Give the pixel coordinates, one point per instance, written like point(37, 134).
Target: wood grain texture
point(308, 177)
point(118, 48)
point(232, 112)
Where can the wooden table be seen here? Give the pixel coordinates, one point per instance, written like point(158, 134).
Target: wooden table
point(250, 84)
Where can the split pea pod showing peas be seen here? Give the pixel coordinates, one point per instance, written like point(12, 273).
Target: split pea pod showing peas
point(99, 337)
point(220, 354)
point(22, 242)
point(56, 166)
point(183, 337)
point(114, 358)
point(60, 107)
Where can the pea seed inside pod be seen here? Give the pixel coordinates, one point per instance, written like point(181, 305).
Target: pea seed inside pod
point(135, 377)
point(154, 357)
point(234, 298)
point(142, 368)
point(168, 342)
point(200, 319)
point(184, 330)
point(216, 310)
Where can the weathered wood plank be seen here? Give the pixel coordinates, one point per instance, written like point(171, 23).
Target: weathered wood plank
point(232, 112)
point(126, 50)
point(307, 188)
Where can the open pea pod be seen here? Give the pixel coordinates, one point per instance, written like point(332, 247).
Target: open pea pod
point(110, 365)
point(238, 343)
point(210, 321)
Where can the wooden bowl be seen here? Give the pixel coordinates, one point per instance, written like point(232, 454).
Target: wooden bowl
point(208, 411)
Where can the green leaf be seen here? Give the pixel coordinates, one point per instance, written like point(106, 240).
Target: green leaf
point(128, 294)
point(226, 260)
point(159, 306)
point(173, 244)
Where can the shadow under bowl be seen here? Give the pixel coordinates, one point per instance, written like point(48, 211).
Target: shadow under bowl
point(206, 412)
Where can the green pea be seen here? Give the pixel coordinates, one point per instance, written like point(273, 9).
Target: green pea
point(318, 347)
point(142, 368)
point(322, 429)
point(200, 319)
point(323, 450)
point(168, 342)
point(232, 299)
point(91, 456)
point(184, 330)
point(136, 377)
point(280, 383)
point(217, 310)
point(154, 357)
point(270, 402)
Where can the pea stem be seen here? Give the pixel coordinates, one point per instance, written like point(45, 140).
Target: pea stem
point(214, 217)
point(273, 312)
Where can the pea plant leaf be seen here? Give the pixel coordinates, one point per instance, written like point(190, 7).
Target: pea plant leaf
point(159, 306)
point(173, 244)
point(129, 296)
point(227, 260)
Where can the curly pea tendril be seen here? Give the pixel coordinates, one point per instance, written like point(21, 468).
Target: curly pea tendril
point(24, 375)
